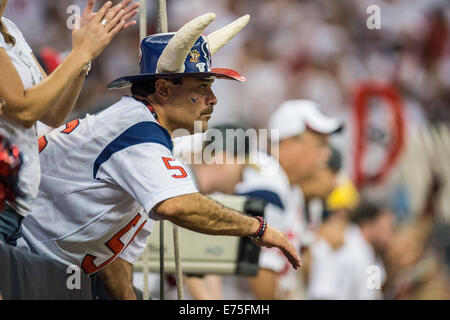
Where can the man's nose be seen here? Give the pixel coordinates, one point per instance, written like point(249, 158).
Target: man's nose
point(212, 99)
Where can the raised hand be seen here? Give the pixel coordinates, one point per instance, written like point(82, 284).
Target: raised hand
point(96, 29)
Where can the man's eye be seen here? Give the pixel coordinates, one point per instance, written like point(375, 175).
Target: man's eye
point(205, 85)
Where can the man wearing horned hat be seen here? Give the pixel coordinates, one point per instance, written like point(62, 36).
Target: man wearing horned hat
point(107, 177)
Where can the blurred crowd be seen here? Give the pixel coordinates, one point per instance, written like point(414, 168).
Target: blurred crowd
point(308, 49)
point(291, 49)
point(319, 50)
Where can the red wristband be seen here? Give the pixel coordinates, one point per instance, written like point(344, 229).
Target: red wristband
point(262, 228)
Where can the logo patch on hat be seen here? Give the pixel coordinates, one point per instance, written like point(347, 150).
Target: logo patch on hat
point(195, 55)
point(201, 66)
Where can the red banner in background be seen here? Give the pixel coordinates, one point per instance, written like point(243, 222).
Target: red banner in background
point(397, 131)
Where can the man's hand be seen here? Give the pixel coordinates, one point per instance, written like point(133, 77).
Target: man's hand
point(274, 238)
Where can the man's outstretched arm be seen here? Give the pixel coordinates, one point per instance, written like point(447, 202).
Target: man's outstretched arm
point(201, 214)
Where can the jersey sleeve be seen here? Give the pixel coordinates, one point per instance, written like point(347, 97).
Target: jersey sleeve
point(148, 172)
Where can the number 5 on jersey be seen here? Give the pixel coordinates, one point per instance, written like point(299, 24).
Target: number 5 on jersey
point(182, 173)
point(70, 126)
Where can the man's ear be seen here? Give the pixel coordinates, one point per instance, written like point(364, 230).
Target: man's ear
point(162, 88)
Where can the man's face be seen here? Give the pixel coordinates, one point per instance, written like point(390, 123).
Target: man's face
point(191, 101)
point(301, 156)
point(320, 184)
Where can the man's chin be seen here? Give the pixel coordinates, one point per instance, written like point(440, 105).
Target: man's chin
point(205, 126)
point(199, 126)
point(204, 121)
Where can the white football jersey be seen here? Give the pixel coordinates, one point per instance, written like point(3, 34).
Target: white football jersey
point(345, 273)
point(284, 211)
point(101, 177)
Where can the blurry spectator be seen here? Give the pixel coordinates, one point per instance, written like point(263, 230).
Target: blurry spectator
point(329, 236)
point(316, 190)
point(418, 258)
point(345, 273)
point(325, 179)
point(222, 175)
point(303, 150)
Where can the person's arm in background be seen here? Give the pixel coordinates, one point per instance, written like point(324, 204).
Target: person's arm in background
point(28, 106)
point(59, 112)
point(208, 287)
point(264, 285)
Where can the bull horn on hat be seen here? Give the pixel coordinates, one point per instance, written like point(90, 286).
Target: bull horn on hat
point(173, 57)
point(219, 38)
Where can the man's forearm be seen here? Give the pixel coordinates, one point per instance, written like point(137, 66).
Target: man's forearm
point(201, 214)
point(117, 278)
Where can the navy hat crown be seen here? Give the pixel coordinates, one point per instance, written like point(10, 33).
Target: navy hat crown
point(185, 53)
point(197, 60)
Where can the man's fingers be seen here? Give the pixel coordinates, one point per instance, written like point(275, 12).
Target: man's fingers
point(89, 7)
point(112, 22)
point(292, 256)
point(117, 28)
point(113, 16)
point(129, 15)
point(102, 12)
point(131, 8)
point(130, 12)
point(125, 3)
point(129, 24)
point(114, 12)
point(124, 17)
